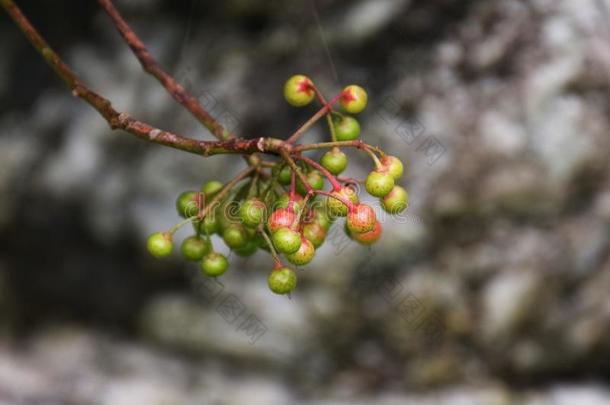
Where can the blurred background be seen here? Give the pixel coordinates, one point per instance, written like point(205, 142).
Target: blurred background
point(492, 289)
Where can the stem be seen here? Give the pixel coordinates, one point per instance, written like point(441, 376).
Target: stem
point(276, 258)
point(118, 120)
point(326, 145)
point(295, 169)
point(348, 203)
point(299, 132)
point(150, 65)
point(331, 178)
point(240, 176)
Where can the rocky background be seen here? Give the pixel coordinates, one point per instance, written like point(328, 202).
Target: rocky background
point(493, 289)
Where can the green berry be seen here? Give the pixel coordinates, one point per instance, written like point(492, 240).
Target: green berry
point(368, 238)
point(282, 281)
point(211, 188)
point(304, 255)
point(336, 207)
point(361, 218)
point(235, 236)
point(159, 244)
point(285, 175)
point(249, 249)
point(322, 218)
point(335, 161)
point(298, 91)
point(187, 205)
point(396, 201)
point(315, 180)
point(286, 240)
point(209, 224)
point(315, 233)
point(252, 212)
point(392, 165)
point(347, 128)
point(214, 264)
point(194, 248)
point(353, 99)
point(378, 183)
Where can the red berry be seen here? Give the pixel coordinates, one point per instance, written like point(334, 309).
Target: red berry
point(392, 165)
point(361, 219)
point(304, 255)
point(298, 91)
point(281, 218)
point(370, 237)
point(353, 99)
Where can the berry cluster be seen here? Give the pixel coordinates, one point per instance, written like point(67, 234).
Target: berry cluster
point(281, 205)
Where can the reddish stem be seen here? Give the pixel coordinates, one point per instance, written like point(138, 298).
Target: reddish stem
point(331, 178)
point(348, 203)
point(299, 132)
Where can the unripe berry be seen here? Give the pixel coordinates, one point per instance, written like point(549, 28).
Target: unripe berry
point(282, 281)
point(378, 183)
point(335, 161)
point(249, 249)
point(315, 233)
point(392, 165)
point(194, 248)
point(211, 188)
point(370, 237)
point(335, 206)
point(285, 175)
point(298, 91)
point(284, 199)
point(321, 217)
point(159, 244)
point(209, 224)
point(396, 201)
point(252, 212)
point(235, 236)
point(315, 180)
point(304, 255)
point(347, 128)
point(280, 218)
point(214, 264)
point(186, 204)
point(361, 219)
point(353, 99)
point(286, 240)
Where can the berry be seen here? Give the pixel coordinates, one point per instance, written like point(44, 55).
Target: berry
point(249, 249)
point(235, 236)
point(347, 128)
point(396, 201)
point(160, 244)
point(304, 255)
point(392, 165)
point(187, 205)
point(209, 225)
point(252, 212)
point(353, 99)
point(315, 233)
point(282, 281)
point(194, 248)
point(315, 180)
point(361, 219)
point(281, 218)
point(370, 237)
point(286, 240)
point(214, 264)
point(335, 161)
point(298, 91)
point(379, 183)
point(335, 206)
point(211, 188)
point(285, 175)
point(321, 217)
point(284, 199)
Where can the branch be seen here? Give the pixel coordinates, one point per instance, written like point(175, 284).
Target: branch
point(150, 65)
